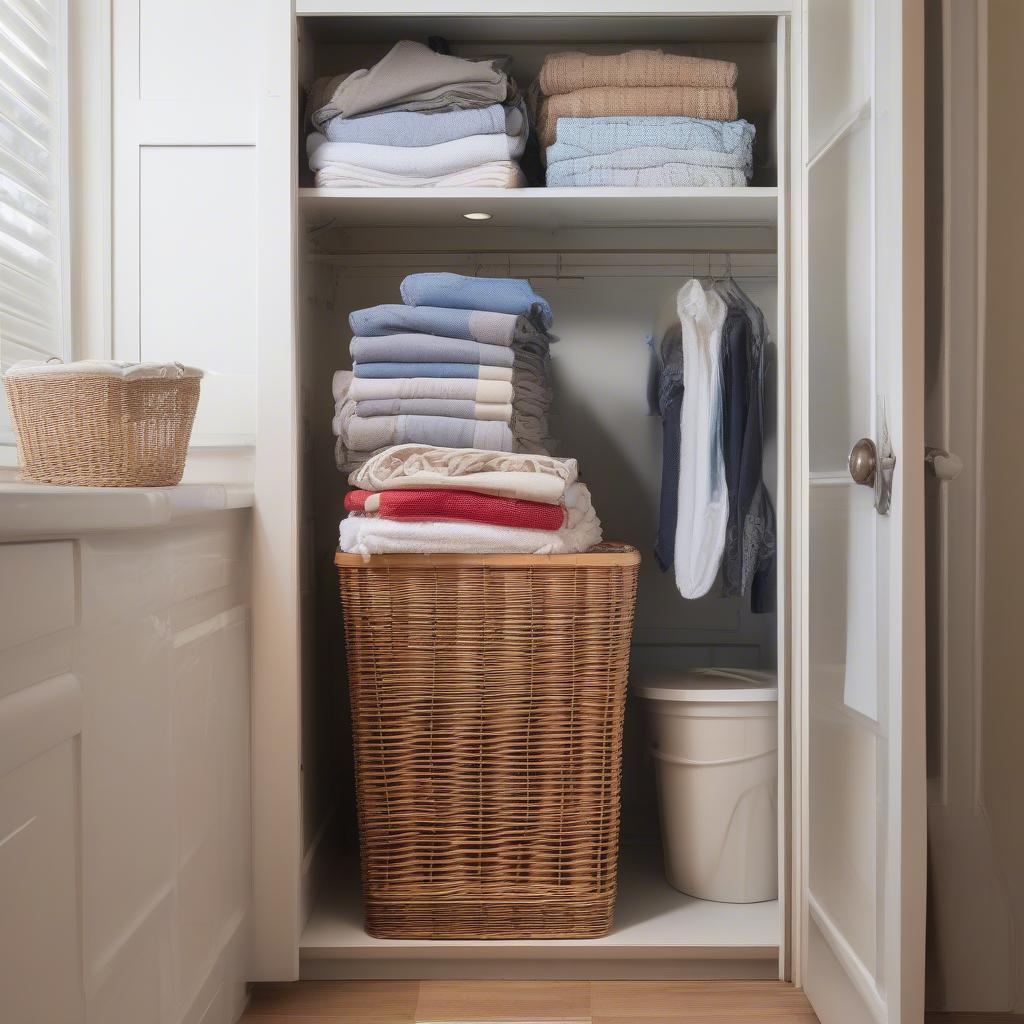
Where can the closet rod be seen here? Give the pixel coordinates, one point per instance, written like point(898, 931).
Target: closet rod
point(472, 253)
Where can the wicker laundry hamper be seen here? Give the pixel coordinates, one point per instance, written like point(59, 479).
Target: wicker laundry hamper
point(102, 424)
point(488, 694)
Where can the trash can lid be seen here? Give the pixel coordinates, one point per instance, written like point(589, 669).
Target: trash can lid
point(724, 685)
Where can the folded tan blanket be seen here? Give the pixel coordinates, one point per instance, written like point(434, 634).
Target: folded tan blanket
point(567, 72)
point(418, 466)
point(613, 101)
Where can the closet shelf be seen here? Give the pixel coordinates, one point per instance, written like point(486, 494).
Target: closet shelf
point(540, 207)
point(652, 921)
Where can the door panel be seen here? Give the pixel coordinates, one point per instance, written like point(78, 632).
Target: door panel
point(864, 838)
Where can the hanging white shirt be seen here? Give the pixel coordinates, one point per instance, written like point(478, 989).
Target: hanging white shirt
point(703, 495)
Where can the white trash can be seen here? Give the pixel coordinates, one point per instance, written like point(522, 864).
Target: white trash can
point(714, 739)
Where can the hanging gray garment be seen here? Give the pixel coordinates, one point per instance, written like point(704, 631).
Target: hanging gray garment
point(749, 558)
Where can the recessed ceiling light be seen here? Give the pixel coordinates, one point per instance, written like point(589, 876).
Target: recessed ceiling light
point(477, 216)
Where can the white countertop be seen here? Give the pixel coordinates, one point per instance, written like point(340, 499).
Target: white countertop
point(30, 511)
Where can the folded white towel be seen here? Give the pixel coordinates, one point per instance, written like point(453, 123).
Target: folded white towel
point(499, 174)
point(421, 161)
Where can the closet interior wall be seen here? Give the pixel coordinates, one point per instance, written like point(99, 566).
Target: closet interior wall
point(607, 284)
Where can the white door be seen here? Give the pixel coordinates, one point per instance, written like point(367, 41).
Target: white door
point(863, 851)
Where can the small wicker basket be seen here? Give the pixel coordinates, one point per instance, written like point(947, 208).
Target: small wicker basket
point(101, 424)
point(488, 694)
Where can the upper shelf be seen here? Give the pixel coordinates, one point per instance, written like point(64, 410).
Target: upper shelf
point(541, 207)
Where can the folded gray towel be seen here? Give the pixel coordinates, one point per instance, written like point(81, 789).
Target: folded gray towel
point(410, 77)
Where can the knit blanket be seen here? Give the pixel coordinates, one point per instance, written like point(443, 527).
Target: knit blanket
point(471, 371)
point(456, 506)
point(470, 324)
point(592, 172)
point(409, 128)
point(498, 294)
point(611, 101)
point(418, 161)
point(418, 466)
point(425, 348)
point(435, 407)
point(410, 77)
point(567, 72)
point(499, 174)
point(712, 143)
point(364, 389)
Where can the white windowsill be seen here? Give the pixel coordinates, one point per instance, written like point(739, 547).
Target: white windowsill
point(32, 511)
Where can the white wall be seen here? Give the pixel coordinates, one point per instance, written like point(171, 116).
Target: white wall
point(1003, 494)
point(976, 369)
point(184, 210)
point(124, 775)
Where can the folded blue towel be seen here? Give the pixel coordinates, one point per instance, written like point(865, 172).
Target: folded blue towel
point(418, 348)
point(498, 294)
point(719, 143)
point(409, 128)
point(469, 324)
point(601, 171)
point(471, 371)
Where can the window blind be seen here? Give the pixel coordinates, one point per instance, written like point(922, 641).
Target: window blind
point(33, 183)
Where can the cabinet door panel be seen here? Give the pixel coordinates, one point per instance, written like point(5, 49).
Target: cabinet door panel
point(863, 843)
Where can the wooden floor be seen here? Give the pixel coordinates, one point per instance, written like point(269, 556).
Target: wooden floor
point(529, 1002)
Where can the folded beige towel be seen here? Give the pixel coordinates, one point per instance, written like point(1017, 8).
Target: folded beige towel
point(614, 101)
point(568, 72)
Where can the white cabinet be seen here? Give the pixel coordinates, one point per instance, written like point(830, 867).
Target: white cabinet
point(124, 755)
point(833, 231)
point(40, 936)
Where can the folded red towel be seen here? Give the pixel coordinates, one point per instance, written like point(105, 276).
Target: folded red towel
point(459, 506)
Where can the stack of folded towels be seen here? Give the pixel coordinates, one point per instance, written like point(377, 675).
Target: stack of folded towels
point(642, 118)
point(464, 363)
point(418, 119)
point(418, 498)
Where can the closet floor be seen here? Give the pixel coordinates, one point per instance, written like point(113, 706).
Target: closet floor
point(653, 921)
point(581, 1002)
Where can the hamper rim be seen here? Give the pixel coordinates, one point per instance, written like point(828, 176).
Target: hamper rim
point(104, 368)
point(606, 554)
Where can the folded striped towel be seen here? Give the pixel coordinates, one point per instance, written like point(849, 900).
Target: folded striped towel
point(456, 506)
point(435, 407)
point(470, 324)
point(371, 434)
point(367, 389)
point(419, 348)
point(472, 371)
point(411, 128)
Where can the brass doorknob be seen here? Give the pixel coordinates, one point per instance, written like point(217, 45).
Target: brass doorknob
point(864, 462)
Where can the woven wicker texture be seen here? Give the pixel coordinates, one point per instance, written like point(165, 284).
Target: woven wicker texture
point(96, 430)
point(488, 694)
